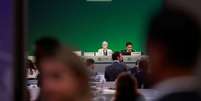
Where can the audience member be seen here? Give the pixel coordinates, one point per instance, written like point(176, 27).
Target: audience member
point(142, 78)
point(64, 77)
point(92, 73)
point(141, 73)
point(31, 70)
point(173, 47)
point(45, 47)
point(90, 67)
point(104, 51)
point(112, 71)
point(126, 88)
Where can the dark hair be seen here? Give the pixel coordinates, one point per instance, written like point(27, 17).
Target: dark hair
point(90, 61)
point(30, 66)
point(126, 88)
point(143, 64)
point(115, 55)
point(128, 43)
point(45, 47)
point(179, 33)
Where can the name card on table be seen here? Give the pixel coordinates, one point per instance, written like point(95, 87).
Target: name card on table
point(109, 59)
point(79, 53)
point(136, 53)
point(89, 54)
point(103, 58)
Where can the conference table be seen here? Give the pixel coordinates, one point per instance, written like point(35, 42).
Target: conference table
point(104, 93)
point(102, 61)
point(108, 94)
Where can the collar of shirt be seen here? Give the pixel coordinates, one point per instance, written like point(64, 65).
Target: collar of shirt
point(116, 61)
point(104, 49)
point(178, 84)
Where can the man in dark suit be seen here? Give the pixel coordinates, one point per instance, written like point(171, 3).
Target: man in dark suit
point(128, 50)
point(173, 48)
point(112, 71)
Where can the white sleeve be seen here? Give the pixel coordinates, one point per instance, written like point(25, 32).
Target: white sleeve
point(110, 52)
point(99, 53)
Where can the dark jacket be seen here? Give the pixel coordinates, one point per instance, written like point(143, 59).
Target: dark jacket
point(139, 75)
point(130, 98)
point(124, 52)
point(181, 96)
point(112, 71)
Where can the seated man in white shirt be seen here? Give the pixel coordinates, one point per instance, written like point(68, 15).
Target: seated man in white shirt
point(104, 51)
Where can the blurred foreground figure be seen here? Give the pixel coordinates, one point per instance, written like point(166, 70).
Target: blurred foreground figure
point(45, 47)
point(126, 88)
point(63, 77)
point(173, 47)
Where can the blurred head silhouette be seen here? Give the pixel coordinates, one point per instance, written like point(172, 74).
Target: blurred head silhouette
point(45, 47)
point(126, 88)
point(173, 44)
point(64, 77)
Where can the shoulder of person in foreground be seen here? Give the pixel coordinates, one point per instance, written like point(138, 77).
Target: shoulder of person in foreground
point(141, 98)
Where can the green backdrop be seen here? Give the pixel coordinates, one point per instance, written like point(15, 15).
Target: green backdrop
point(84, 25)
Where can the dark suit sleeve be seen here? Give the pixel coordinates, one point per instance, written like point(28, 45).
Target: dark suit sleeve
point(125, 67)
point(106, 75)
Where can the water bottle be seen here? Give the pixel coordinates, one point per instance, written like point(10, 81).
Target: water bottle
point(100, 96)
point(102, 81)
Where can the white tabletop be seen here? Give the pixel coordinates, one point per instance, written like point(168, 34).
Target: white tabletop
point(149, 94)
